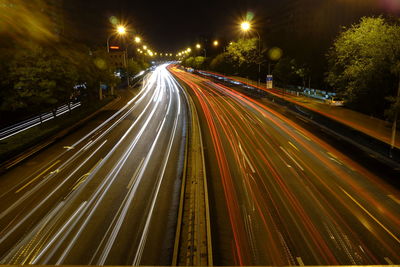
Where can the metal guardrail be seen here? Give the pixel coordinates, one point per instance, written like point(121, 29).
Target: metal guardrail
point(353, 137)
point(34, 121)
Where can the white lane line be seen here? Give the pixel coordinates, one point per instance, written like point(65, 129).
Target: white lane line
point(66, 224)
point(394, 199)
point(246, 158)
point(334, 158)
point(298, 165)
point(32, 211)
point(300, 261)
point(106, 184)
point(10, 257)
point(122, 211)
point(143, 238)
point(290, 143)
point(303, 135)
point(388, 261)
point(372, 216)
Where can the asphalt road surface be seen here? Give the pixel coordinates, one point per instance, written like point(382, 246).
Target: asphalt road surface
point(279, 195)
point(106, 194)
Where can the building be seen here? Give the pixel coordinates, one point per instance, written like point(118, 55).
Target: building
point(118, 59)
point(305, 29)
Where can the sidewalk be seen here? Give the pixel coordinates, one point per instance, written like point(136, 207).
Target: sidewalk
point(374, 127)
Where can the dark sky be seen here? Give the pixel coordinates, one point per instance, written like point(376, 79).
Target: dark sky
point(165, 25)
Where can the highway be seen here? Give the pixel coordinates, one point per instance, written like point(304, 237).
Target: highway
point(279, 195)
point(107, 194)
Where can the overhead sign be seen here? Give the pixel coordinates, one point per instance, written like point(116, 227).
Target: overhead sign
point(114, 47)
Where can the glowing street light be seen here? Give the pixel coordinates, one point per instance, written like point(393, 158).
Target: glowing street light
point(198, 46)
point(216, 43)
point(189, 49)
point(138, 39)
point(245, 26)
point(121, 29)
point(145, 47)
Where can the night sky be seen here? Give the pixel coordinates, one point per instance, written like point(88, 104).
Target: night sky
point(165, 25)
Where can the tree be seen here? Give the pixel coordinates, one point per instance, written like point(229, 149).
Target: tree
point(40, 78)
point(244, 51)
point(198, 62)
point(364, 63)
point(222, 63)
point(286, 72)
point(188, 62)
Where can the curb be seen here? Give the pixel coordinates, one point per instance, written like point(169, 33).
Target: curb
point(193, 243)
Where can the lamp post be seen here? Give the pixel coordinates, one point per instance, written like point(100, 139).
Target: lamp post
point(138, 39)
point(121, 30)
point(198, 46)
point(246, 26)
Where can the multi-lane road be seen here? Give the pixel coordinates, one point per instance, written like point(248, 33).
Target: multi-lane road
point(280, 195)
point(106, 194)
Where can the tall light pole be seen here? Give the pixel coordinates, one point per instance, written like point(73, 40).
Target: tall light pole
point(121, 30)
point(246, 26)
point(138, 39)
point(198, 46)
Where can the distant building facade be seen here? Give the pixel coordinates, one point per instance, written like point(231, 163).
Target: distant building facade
point(118, 59)
point(305, 29)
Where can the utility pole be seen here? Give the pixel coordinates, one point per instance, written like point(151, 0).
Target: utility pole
point(396, 113)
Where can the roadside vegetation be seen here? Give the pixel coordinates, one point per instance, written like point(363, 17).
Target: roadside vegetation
point(363, 65)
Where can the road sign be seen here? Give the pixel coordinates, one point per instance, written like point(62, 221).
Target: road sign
point(269, 81)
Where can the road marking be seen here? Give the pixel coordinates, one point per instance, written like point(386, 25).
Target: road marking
point(370, 215)
point(388, 261)
point(334, 158)
point(55, 171)
point(394, 199)
point(300, 261)
point(247, 159)
point(290, 143)
point(332, 155)
point(295, 162)
point(68, 147)
point(34, 179)
point(80, 180)
point(303, 135)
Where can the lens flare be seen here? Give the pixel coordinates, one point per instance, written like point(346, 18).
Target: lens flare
point(275, 53)
point(113, 20)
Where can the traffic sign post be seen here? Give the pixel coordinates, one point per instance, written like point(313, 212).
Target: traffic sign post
point(269, 81)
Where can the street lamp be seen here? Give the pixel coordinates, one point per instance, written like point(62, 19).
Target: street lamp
point(216, 43)
point(198, 46)
point(246, 26)
point(138, 39)
point(145, 47)
point(121, 30)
